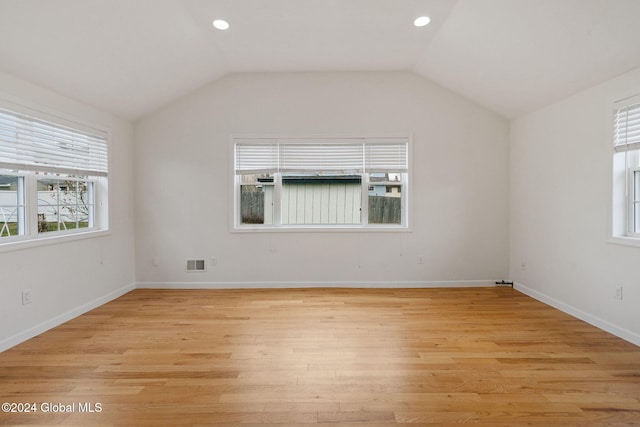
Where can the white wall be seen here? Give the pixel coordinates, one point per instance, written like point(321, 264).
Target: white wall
point(69, 278)
point(560, 162)
point(459, 207)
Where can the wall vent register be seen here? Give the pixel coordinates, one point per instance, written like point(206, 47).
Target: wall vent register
point(196, 265)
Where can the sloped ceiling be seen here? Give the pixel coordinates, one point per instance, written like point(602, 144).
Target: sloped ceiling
point(131, 57)
point(514, 56)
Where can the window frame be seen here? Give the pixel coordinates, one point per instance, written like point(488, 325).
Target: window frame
point(236, 225)
point(29, 175)
point(633, 213)
point(621, 207)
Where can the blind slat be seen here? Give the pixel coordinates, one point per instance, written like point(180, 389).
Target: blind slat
point(350, 155)
point(254, 156)
point(28, 143)
point(627, 147)
point(321, 155)
point(626, 130)
point(386, 156)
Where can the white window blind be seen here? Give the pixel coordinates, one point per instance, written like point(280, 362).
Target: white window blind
point(385, 155)
point(349, 155)
point(255, 156)
point(627, 124)
point(28, 143)
point(321, 155)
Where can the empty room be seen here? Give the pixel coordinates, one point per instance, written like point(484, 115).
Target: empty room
point(336, 212)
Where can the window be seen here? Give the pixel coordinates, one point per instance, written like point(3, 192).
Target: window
point(64, 204)
point(626, 168)
point(53, 177)
point(289, 183)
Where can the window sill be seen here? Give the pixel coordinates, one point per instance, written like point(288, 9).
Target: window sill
point(55, 238)
point(625, 241)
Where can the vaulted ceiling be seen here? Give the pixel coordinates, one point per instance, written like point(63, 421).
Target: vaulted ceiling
point(131, 57)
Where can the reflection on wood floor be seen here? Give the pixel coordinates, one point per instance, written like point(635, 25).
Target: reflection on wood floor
point(491, 356)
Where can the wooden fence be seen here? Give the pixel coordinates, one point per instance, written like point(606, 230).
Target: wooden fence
point(382, 210)
point(252, 204)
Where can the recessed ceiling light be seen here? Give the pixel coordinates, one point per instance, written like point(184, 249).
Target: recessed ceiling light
point(221, 24)
point(421, 21)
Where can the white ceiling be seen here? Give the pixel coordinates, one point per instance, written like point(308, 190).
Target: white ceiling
point(131, 57)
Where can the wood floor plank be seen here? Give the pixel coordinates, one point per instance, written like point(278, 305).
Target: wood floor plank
point(490, 356)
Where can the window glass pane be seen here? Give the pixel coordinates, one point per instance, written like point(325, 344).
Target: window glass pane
point(252, 204)
point(68, 204)
point(385, 198)
point(256, 199)
point(314, 199)
point(10, 206)
point(85, 205)
point(48, 205)
point(64, 205)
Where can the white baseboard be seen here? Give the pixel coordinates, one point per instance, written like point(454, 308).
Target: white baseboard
point(625, 334)
point(23, 336)
point(298, 284)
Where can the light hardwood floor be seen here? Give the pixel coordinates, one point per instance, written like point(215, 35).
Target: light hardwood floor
point(490, 356)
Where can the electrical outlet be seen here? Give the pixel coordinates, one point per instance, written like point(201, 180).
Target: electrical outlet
point(523, 266)
point(26, 296)
point(420, 259)
point(214, 261)
point(619, 293)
